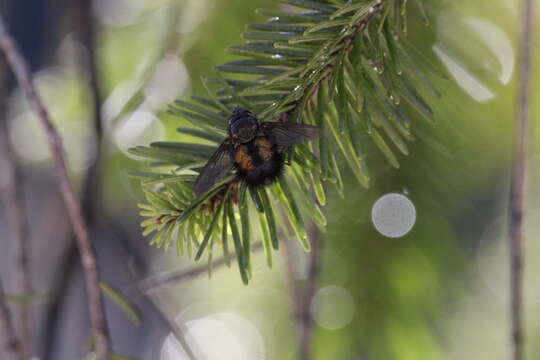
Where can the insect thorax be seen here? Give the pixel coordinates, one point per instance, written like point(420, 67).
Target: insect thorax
point(243, 126)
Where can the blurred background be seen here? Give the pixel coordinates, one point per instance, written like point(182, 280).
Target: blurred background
point(430, 282)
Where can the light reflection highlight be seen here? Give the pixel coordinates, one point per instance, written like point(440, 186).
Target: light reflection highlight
point(333, 307)
point(216, 337)
point(139, 127)
point(475, 68)
point(393, 215)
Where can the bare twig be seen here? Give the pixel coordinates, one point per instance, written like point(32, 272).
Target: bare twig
point(175, 329)
point(86, 31)
point(58, 289)
point(152, 283)
point(518, 180)
point(16, 212)
point(87, 34)
point(10, 344)
point(84, 23)
point(303, 296)
point(73, 205)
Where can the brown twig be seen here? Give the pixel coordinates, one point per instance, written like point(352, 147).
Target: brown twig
point(60, 286)
point(73, 205)
point(10, 344)
point(518, 180)
point(175, 329)
point(152, 283)
point(303, 296)
point(87, 33)
point(16, 212)
point(84, 23)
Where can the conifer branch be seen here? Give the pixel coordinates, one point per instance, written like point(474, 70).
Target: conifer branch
point(73, 205)
point(344, 67)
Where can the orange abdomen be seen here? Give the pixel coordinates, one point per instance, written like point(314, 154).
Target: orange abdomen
point(259, 161)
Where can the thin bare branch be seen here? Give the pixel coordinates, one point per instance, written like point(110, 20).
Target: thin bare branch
point(18, 218)
point(517, 190)
point(10, 344)
point(156, 281)
point(66, 264)
point(84, 22)
point(176, 329)
point(85, 29)
point(304, 295)
point(73, 205)
point(87, 34)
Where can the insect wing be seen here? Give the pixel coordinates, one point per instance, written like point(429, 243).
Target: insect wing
point(215, 169)
point(288, 134)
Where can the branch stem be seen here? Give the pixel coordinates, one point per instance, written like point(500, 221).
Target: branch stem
point(73, 205)
point(517, 190)
point(18, 218)
point(303, 296)
point(154, 282)
point(9, 342)
point(84, 27)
